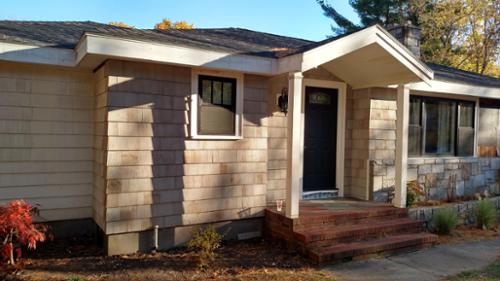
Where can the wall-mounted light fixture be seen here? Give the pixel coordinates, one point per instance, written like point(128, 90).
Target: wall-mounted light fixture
point(283, 100)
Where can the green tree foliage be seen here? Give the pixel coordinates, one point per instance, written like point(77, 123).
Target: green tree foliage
point(464, 34)
point(370, 12)
point(461, 33)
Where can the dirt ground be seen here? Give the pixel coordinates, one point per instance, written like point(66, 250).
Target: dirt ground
point(470, 233)
point(250, 260)
point(82, 260)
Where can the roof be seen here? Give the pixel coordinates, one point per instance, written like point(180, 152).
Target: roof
point(446, 73)
point(66, 34)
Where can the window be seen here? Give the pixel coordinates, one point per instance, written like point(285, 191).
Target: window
point(216, 104)
point(440, 127)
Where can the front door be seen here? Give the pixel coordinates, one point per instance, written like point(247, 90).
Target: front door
point(320, 135)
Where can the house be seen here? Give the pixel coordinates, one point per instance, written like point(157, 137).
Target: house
point(123, 129)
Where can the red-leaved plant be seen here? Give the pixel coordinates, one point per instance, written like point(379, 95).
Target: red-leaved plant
point(17, 229)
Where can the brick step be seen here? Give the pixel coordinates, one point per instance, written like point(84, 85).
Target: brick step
point(319, 219)
point(349, 233)
point(390, 244)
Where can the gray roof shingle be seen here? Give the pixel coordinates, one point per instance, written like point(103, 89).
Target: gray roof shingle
point(233, 40)
point(66, 34)
point(442, 72)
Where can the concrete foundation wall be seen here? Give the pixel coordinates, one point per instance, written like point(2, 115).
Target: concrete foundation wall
point(46, 139)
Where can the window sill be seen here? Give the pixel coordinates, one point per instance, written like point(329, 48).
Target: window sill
point(215, 137)
point(422, 159)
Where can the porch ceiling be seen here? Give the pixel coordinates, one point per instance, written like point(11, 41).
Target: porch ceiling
point(370, 66)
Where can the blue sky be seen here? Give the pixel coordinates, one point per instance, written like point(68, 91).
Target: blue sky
point(297, 18)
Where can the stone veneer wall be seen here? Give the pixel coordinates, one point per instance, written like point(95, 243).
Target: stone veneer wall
point(472, 174)
point(152, 173)
point(464, 211)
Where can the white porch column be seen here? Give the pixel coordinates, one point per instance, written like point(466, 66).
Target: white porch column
point(294, 167)
point(402, 115)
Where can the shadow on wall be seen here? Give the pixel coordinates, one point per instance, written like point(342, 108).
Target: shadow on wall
point(158, 176)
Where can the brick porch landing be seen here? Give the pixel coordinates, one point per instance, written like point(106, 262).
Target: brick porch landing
point(343, 229)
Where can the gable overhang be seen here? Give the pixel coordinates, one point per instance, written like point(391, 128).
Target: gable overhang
point(94, 49)
point(370, 57)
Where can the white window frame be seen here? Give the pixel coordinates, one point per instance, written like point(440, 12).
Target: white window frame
point(194, 110)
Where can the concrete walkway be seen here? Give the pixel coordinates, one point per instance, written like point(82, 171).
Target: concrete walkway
point(430, 264)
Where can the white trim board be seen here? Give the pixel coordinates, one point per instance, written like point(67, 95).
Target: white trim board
point(447, 87)
point(341, 119)
point(238, 117)
point(119, 48)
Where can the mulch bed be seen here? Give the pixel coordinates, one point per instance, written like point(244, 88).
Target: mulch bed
point(249, 260)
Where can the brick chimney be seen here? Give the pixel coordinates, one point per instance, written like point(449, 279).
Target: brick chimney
point(408, 34)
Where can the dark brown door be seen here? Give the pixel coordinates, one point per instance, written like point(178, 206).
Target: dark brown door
point(320, 139)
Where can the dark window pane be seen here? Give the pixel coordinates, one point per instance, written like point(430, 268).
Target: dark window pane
point(466, 114)
point(320, 98)
point(465, 143)
point(206, 91)
point(415, 111)
point(414, 140)
point(217, 92)
point(227, 93)
point(440, 126)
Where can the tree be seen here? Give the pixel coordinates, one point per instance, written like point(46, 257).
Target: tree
point(464, 34)
point(17, 229)
point(120, 24)
point(371, 12)
point(168, 24)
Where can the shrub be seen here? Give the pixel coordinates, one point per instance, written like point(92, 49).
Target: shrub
point(17, 229)
point(485, 214)
point(75, 278)
point(411, 197)
point(445, 220)
point(205, 242)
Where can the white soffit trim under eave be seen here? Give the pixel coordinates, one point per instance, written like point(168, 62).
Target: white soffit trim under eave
point(147, 51)
point(448, 87)
point(36, 54)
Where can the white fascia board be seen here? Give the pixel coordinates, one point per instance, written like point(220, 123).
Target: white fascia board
point(36, 54)
point(448, 87)
point(161, 53)
point(337, 48)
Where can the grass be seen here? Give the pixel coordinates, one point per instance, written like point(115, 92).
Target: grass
point(490, 273)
